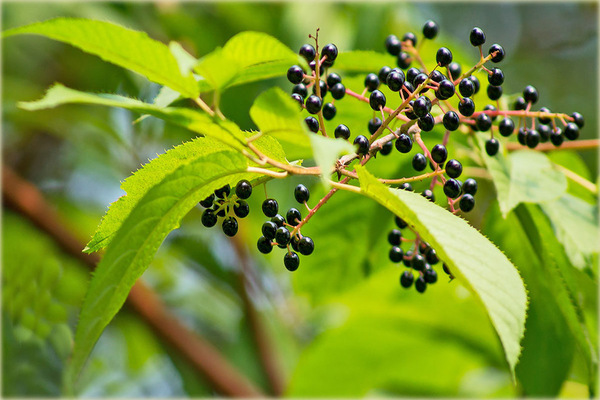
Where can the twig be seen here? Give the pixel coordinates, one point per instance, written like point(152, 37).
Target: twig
point(575, 145)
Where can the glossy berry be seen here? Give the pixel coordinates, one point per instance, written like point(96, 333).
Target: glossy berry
point(282, 235)
point(522, 136)
point(393, 45)
point(499, 53)
point(418, 262)
point(386, 148)
point(209, 218)
point(429, 275)
point(445, 90)
point(208, 202)
point(293, 216)
point(437, 76)
point(407, 87)
point(469, 186)
point(419, 162)
point(430, 29)
point(243, 189)
point(491, 147)
point(419, 79)
point(411, 37)
point(421, 106)
point(394, 237)
point(241, 209)
point(301, 90)
point(301, 194)
point(409, 113)
point(400, 223)
point(454, 70)
point(294, 242)
point(322, 88)
point(530, 94)
point(426, 123)
point(532, 139)
point(578, 119)
point(333, 79)
point(395, 80)
point(431, 256)
point(223, 191)
point(406, 279)
point(342, 131)
point(476, 83)
point(308, 52)
point(338, 91)
point(396, 254)
point(362, 145)
point(544, 120)
point(377, 100)
point(404, 59)
point(451, 121)
point(404, 143)
point(374, 124)
point(312, 123)
point(571, 131)
point(371, 82)
point(506, 127)
point(291, 261)
point(452, 188)
point(466, 107)
point(295, 74)
point(443, 57)
point(264, 245)
point(467, 202)
point(330, 50)
point(329, 111)
point(406, 186)
point(298, 98)
point(496, 78)
point(313, 66)
point(519, 104)
point(411, 74)
point(544, 131)
point(477, 37)
point(268, 229)
point(270, 207)
point(407, 258)
point(306, 246)
point(230, 226)
point(439, 153)
point(556, 137)
point(278, 220)
point(494, 92)
point(453, 168)
point(490, 107)
point(383, 73)
point(313, 104)
point(466, 87)
point(483, 122)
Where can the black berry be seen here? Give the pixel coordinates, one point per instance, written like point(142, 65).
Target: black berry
point(209, 218)
point(383, 73)
point(374, 124)
point(386, 148)
point(393, 45)
point(445, 90)
point(443, 56)
point(494, 92)
point(362, 145)
point(578, 119)
point(453, 168)
point(298, 98)
point(522, 136)
point(499, 53)
point(243, 189)
point(556, 137)
point(264, 245)
point(466, 107)
point(530, 94)
point(333, 79)
point(330, 50)
point(230, 226)
point(571, 131)
point(475, 81)
point(420, 284)
point(377, 100)
point(544, 120)
point(439, 153)
point(396, 254)
point(406, 279)
point(430, 29)
point(301, 194)
point(313, 104)
point(532, 139)
point(400, 223)
point(270, 207)
point(312, 123)
point(519, 104)
point(483, 122)
point(371, 82)
point(452, 188)
point(295, 74)
point(454, 70)
point(291, 261)
point(241, 209)
point(466, 87)
point(418, 262)
point(411, 37)
point(426, 123)
point(506, 127)
point(268, 229)
point(306, 246)
point(421, 106)
point(451, 121)
point(430, 275)
point(394, 237)
point(301, 90)
point(496, 78)
point(223, 191)
point(491, 147)
point(278, 220)
point(477, 37)
point(403, 60)
point(342, 131)
point(431, 256)
point(282, 235)
point(466, 203)
point(544, 131)
point(338, 91)
point(208, 202)
point(395, 80)
point(293, 216)
point(470, 186)
point(308, 52)
point(419, 162)
point(329, 111)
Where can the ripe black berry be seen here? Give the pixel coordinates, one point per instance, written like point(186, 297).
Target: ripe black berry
point(430, 275)
point(395, 80)
point(430, 29)
point(313, 104)
point(466, 107)
point(230, 226)
point(396, 254)
point(492, 146)
point(342, 131)
point(466, 87)
point(494, 92)
point(362, 145)
point(223, 191)
point(264, 245)
point(329, 111)
point(452, 188)
point(294, 242)
point(443, 56)
point(308, 52)
point(454, 70)
point(282, 235)
point(241, 209)
point(419, 162)
point(338, 91)
point(445, 90)
point(475, 81)
point(278, 220)
point(532, 139)
point(403, 60)
point(439, 153)
point(333, 79)
point(418, 262)
point(496, 78)
point(312, 123)
point(295, 74)
point(400, 223)
point(306, 246)
point(453, 168)
point(270, 207)
point(411, 74)
point(544, 131)
point(544, 120)
point(268, 229)
point(377, 100)
point(374, 124)
point(556, 137)
point(483, 122)
point(530, 94)
point(578, 119)
point(209, 218)
point(300, 89)
point(571, 131)
point(419, 79)
point(330, 50)
point(519, 104)
point(394, 237)
point(451, 121)
point(437, 76)
point(467, 202)
point(407, 258)
point(426, 123)
point(406, 279)
point(499, 53)
point(411, 37)
point(322, 88)
point(298, 98)
point(208, 202)
point(313, 66)
point(407, 86)
point(243, 189)
point(291, 261)
point(383, 73)
point(490, 107)
point(371, 82)
point(421, 106)
point(393, 45)
point(470, 186)
point(420, 284)
point(522, 136)
point(431, 256)
point(506, 127)
point(301, 193)
point(293, 216)
point(386, 148)
point(477, 37)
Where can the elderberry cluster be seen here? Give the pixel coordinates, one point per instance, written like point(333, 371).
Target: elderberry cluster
point(222, 202)
point(276, 230)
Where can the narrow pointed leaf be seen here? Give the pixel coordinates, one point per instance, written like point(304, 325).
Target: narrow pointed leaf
point(326, 151)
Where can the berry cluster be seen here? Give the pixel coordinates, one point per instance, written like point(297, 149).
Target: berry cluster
point(276, 230)
point(222, 202)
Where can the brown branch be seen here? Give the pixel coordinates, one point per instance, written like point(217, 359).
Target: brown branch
point(574, 145)
point(27, 200)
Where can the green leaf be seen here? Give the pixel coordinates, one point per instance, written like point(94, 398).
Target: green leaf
point(363, 61)
point(157, 213)
point(472, 258)
point(326, 151)
point(224, 131)
point(118, 45)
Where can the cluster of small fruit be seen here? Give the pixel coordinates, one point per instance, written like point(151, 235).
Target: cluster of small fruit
point(275, 231)
point(420, 260)
point(220, 204)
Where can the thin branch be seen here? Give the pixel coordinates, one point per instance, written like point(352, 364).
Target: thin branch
point(26, 199)
point(580, 180)
point(574, 145)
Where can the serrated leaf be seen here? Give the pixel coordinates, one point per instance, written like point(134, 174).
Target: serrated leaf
point(326, 151)
point(224, 131)
point(363, 61)
point(118, 45)
point(132, 249)
point(471, 257)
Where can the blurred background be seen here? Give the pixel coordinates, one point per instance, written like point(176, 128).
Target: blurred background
point(327, 339)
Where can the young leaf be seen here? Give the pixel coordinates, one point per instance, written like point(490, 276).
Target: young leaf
point(326, 151)
point(157, 213)
point(472, 258)
point(118, 45)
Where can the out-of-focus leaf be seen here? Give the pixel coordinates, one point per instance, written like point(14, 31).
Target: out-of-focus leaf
point(326, 151)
